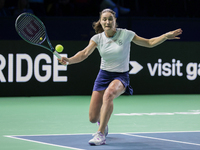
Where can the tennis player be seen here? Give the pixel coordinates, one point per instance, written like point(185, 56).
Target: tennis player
point(113, 78)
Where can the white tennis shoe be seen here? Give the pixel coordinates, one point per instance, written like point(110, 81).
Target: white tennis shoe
point(98, 139)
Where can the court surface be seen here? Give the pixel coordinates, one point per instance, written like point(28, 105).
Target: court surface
point(150, 122)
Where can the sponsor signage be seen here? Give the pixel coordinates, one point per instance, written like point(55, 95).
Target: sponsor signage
point(166, 69)
point(42, 72)
point(27, 70)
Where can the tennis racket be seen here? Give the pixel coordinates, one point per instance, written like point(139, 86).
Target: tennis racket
point(32, 30)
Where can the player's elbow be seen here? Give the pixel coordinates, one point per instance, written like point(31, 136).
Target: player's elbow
point(151, 46)
point(150, 43)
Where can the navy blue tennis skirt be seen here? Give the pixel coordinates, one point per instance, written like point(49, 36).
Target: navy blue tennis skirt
point(104, 78)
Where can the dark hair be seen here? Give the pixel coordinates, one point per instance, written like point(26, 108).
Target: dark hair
point(97, 26)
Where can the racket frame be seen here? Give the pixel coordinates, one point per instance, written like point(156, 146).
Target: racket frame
point(46, 36)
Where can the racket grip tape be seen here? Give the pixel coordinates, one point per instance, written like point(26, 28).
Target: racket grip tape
point(58, 56)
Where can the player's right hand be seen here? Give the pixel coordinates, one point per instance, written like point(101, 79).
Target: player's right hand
point(64, 60)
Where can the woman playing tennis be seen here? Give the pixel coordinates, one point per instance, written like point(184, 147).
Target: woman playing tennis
point(113, 78)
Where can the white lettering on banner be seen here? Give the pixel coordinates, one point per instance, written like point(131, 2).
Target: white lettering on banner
point(27, 58)
point(2, 66)
point(10, 67)
point(166, 69)
point(46, 68)
point(33, 68)
point(57, 68)
point(192, 70)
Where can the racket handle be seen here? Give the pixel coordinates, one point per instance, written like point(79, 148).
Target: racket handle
point(58, 56)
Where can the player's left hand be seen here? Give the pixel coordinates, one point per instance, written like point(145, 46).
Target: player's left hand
point(174, 34)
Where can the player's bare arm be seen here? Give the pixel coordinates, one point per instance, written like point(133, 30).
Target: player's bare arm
point(81, 55)
point(157, 40)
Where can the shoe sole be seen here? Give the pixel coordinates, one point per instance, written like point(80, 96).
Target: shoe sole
point(93, 144)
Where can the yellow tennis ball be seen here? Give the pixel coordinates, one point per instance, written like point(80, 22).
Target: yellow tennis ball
point(59, 48)
point(41, 38)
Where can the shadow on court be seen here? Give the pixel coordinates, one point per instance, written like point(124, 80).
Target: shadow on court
point(123, 141)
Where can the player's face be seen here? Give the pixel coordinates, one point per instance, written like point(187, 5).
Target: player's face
point(108, 21)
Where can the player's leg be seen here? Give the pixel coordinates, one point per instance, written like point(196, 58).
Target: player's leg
point(94, 115)
point(115, 89)
point(95, 106)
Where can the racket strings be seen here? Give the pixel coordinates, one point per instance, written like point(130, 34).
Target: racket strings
point(31, 29)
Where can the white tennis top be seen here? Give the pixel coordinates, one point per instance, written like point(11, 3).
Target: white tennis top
point(114, 51)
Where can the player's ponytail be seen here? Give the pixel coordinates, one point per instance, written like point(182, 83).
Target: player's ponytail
point(97, 27)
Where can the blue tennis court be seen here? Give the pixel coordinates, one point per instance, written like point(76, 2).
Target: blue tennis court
point(136, 141)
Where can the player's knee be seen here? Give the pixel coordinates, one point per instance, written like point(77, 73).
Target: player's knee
point(93, 119)
point(113, 91)
point(110, 95)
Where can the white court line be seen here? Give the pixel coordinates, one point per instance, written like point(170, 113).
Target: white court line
point(162, 132)
point(45, 143)
point(54, 134)
point(190, 112)
point(161, 139)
